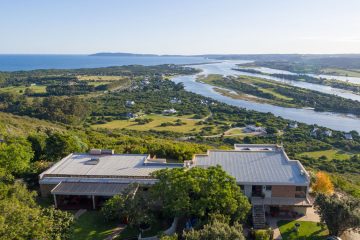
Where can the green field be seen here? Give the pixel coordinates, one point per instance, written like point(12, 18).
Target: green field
point(21, 89)
point(92, 226)
point(341, 72)
point(329, 154)
point(101, 78)
point(307, 230)
point(189, 127)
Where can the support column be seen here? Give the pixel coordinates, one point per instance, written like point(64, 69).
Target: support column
point(55, 202)
point(93, 201)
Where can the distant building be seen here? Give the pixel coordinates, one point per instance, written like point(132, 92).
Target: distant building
point(129, 103)
point(293, 125)
point(131, 115)
point(348, 136)
point(169, 111)
point(175, 100)
point(205, 102)
point(253, 128)
point(314, 132)
point(328, 133)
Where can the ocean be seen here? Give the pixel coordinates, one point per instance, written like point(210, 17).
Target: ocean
point(16, 62)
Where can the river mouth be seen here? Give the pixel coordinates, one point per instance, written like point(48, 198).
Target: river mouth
point(334, 121)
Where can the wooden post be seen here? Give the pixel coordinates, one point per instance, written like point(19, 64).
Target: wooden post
point(55, 202)
point(93, 201)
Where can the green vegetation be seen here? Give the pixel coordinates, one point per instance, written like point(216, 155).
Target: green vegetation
point(219, 227)
point(38, 129)
point(327, 154)
point(341, 72)
point(280, 94)
point(158, 123)
point(337, 65)
point(306, 231)
point(199, 192)
point(92, 226)
point(21, 218)
point(338, 213)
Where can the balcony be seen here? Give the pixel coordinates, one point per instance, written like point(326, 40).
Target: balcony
point(283, 201)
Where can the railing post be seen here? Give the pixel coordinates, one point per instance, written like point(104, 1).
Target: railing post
point(55, 202)
point(93, 202)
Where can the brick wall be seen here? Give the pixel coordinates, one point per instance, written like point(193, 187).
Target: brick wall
point(283, 191)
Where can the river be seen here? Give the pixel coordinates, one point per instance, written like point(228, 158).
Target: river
point(331, 120)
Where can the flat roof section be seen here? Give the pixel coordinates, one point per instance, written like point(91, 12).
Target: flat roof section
point(87, 189)
point(127, 165)
point(263, 166)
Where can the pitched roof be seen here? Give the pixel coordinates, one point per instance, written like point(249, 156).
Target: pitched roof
point(259, 164)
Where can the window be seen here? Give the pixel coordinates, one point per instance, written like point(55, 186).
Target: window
point(300, 191)
point(242, 187)
point(268, 187)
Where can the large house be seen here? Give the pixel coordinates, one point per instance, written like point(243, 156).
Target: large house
point(87, 180)
point(273, 183)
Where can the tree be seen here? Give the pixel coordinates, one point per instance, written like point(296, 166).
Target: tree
point(114, 208)
point(38, 145)
point(323, 184)
point(132, 205)
point(217, 228)
point(271, 130)
point(199, 192)
point(21, 218)
point(338, 213)
point(15, 155)
point(60, 223)
point(59, 145)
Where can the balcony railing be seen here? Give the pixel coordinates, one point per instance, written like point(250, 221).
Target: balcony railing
point(305, 202)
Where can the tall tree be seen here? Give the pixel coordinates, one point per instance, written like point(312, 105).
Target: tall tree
point(15, 155)
point(22, 219)
point(199, 192)
point(323, 184)
point(59, 145)
point(339, 213)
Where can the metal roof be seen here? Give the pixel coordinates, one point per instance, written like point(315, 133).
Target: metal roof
point(258, 165)
point(87, 188)
point(126, 165)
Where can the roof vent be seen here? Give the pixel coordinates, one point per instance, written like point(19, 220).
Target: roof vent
point(107, 151)
point(302, 173)
point(95, 151)
point(92, 161)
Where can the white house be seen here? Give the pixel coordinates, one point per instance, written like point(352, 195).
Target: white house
point(169, 111)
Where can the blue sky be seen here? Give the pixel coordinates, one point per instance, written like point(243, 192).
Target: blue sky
point(180, 27)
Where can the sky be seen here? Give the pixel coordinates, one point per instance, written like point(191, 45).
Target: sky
point(179, 26)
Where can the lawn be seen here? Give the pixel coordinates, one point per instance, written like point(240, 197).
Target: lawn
point(341, 72)
point(35, 89)
point(92, 226)
point(307, 230)
point(157, 227)
point(101, 78)
point(189, 126)
point(330, 154)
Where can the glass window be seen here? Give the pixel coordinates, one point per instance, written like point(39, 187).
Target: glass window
point(268, 188)
point(242, 187)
